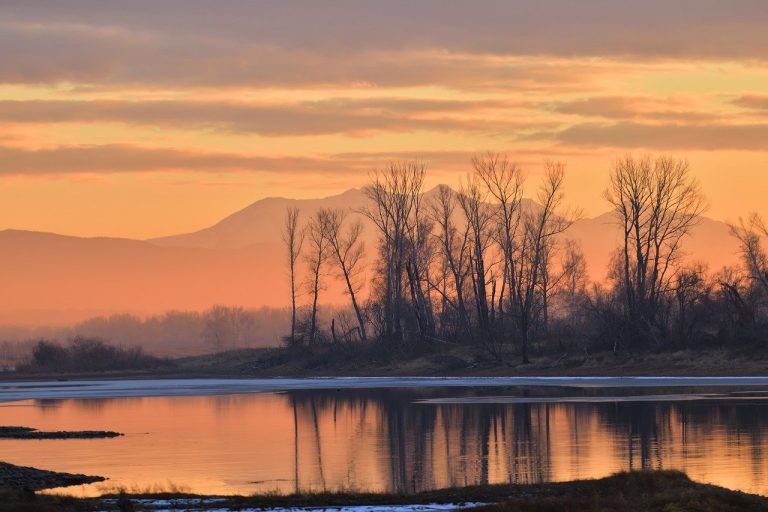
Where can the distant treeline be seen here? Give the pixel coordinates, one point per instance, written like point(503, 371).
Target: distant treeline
point(477, 266)
point(88, 355)
point(172, 334)
point(184, 332)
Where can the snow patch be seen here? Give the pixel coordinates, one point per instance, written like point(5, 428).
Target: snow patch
point(201, 505)
point(51, 390)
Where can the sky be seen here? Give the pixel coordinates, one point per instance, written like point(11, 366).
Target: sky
point(141, 119)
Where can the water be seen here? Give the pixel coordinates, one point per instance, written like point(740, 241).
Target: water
point(392, 439)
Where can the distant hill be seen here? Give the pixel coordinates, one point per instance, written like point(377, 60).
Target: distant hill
point(260, 222)
point(49, 278)
point(709, 242)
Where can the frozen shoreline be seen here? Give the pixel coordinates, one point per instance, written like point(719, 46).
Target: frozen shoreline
point(171, 505)
point(44, 390)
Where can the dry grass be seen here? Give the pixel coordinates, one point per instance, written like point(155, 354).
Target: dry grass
point(640, 491)
point(453, 360)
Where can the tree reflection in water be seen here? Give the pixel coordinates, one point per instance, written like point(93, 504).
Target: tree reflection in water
point(419, 446)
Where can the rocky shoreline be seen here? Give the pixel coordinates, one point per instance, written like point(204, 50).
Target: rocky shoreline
point(33, 433)
point(25, 479)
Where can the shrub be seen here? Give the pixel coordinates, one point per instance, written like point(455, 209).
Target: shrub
point(88, 354)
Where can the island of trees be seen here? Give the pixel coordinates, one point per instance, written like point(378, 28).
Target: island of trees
point(480, 266)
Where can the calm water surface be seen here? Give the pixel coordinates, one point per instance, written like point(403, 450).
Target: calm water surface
point(399, 439)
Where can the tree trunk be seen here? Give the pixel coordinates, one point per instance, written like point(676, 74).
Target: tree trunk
point(293, 302)
point(313, 321)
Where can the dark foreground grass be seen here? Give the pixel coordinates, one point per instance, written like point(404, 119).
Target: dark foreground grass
point(640, 491)
point(644, 491)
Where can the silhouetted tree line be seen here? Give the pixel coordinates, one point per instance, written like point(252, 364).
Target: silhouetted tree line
point(482, 266)
point(88, 354)
point(175, 333)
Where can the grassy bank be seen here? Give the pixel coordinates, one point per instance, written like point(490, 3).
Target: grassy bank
point(443, 360)
point(452, 360)
point(643, 491)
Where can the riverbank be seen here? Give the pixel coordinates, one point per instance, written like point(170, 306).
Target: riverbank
point(448, 360)
point(462, 361)
point(640, 491)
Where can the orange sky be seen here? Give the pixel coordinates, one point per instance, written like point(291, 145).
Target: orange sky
point(149, 120)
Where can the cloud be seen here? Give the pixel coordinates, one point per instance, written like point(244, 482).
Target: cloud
point(117, 158)
point(752, 101)
point(114, 158)
point(395, 43)
point(340, 115)
point(639, 108)
point(110, 59)
point(634, 135)
point(563, 27)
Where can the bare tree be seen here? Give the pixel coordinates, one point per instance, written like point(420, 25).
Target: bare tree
point(657, 202)
point(316, 259)
point(453, 242)
point(504, 182)
point(394, 192)
point(691, 289)
point(736, 292)
point(572, 281)
point(479, 216)
point(548, 282)
point(420, 251)
point(227, 327)
point(347, 250)
point(293, 237)
point(539, 229)
point(750, 234)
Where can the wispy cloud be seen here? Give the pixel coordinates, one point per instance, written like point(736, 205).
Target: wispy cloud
point(664, 137)
point(752, 101)
point(330, 116)
point(132, 159)
point(397, 43)
point(648, 108)
point(117, 158)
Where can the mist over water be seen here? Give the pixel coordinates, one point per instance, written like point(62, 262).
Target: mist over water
point(403, 440)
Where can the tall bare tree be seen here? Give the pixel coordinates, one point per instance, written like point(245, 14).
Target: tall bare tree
point(347, 250)
point(503, 180)
point(657, 201)
point(453, 242)
point(419, 254)
point(539, 229)
point(479, 216)
point(394, 192)
point(316, 259)
point(293, 237)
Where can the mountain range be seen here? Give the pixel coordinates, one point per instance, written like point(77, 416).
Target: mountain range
point(55, 279)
